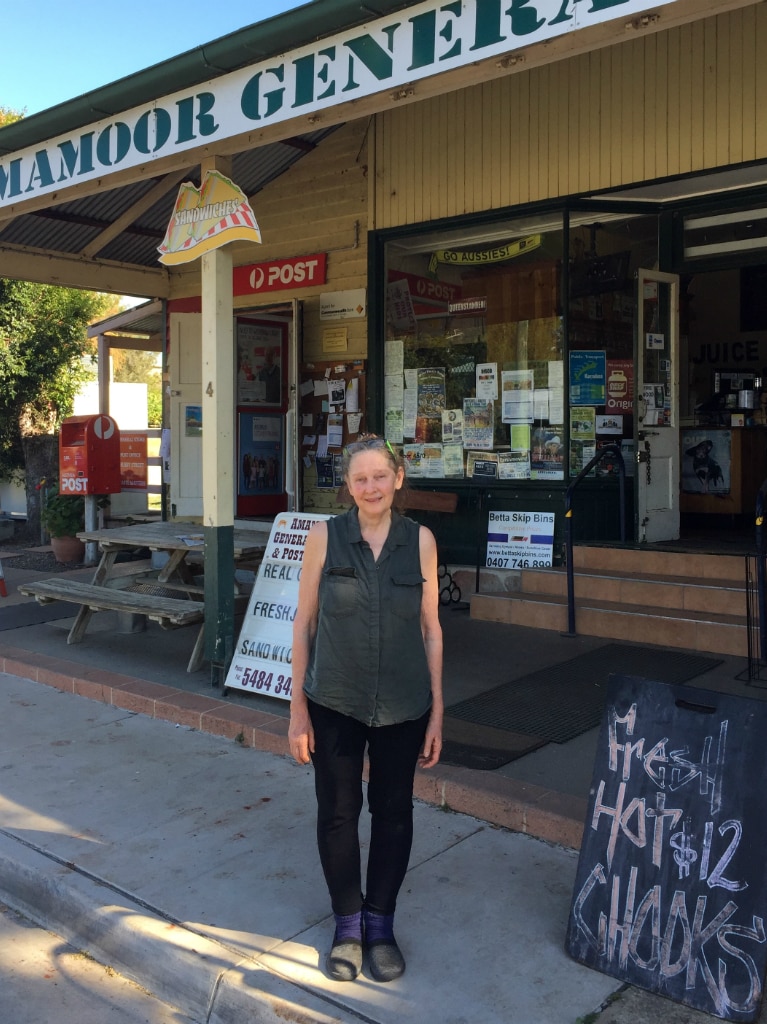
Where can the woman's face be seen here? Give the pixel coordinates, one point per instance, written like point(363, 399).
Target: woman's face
point(372, 480)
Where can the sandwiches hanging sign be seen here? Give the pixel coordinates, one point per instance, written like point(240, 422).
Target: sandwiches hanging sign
point(386, 56)
point(206, 218)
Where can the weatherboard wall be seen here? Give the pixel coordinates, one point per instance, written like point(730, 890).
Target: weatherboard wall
point(671, 103)
point(319, 205)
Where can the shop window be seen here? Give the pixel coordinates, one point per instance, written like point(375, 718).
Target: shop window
point(480, 379)
point(474, 353)
point(604, 256)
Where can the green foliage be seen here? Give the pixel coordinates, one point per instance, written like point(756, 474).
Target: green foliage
point(154, 408)
point(63, 515)
point(45, 356)
point(8, 116)
point(133, 366)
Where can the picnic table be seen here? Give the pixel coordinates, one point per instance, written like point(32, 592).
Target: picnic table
point(168, 594)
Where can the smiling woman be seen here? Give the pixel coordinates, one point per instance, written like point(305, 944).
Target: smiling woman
point(367, 675)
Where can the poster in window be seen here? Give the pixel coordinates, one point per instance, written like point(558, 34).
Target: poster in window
point(706, 459)
point(514, 465)
point(259, 363)
point(518, 396)
point(452, 459)
point(431, 391)
point(547, 454)
point(413, 456)
point(478, 420)
point(260, 462)
point(620, 385)
point(452, 426)
point(588, 373)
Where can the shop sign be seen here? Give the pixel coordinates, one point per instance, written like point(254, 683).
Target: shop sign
point(620, 386)
point(520, 540)
point(426, 295)
point(133, 462)
point(206, 218)
point(278, 275)
point(348, 305)
point(382, 57)
point(263, 658)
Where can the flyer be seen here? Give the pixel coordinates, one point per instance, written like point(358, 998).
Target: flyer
point(518, 394)
point(487, 381)
point(452, 426)
point(588, 377)
point(452, 460)
point(478, 421)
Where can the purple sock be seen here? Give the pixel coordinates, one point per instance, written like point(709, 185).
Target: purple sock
point(348, 927)
point(378, 927)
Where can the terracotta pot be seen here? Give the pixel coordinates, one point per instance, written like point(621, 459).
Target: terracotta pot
point(68, 549)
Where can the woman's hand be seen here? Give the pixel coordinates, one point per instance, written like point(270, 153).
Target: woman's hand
point(301, 736)
point(432, 744)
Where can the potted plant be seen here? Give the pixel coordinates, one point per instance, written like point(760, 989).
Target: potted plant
point(63, 516)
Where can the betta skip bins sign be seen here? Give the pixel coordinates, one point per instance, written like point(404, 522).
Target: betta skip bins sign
point(263, 658)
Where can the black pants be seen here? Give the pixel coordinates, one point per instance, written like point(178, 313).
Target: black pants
point(393, 752)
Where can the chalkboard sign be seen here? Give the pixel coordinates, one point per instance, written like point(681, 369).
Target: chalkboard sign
point(671, 891)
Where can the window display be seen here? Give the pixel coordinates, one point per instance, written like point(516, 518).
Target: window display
point(480, 378)
point(474, 355)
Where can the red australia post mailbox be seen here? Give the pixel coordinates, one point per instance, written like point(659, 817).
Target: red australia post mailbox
point(89, 455)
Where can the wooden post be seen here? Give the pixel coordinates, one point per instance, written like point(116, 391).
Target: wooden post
point(218, 450)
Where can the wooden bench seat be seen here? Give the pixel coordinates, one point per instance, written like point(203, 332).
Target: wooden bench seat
point(168, 611)
point(165, 610)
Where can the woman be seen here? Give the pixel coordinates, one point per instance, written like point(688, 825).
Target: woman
point(367, 673)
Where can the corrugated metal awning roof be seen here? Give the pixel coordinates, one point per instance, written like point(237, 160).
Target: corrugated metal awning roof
point(71, 228)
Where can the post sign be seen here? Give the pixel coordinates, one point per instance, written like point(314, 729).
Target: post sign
point(263, 658)
point(278, 275)
point(671, 889)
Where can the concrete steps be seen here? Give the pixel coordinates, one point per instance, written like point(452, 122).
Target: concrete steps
point(671, 598)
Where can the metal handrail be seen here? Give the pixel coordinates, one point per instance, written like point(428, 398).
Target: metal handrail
point(760, 569)
point(609, 449)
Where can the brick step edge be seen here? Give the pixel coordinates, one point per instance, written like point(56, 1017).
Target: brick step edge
point(521, 807)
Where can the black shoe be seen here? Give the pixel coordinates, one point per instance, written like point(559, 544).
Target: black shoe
point(385, 960)
point(344, 961)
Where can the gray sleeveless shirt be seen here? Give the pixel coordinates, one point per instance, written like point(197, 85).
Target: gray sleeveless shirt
point(368, 659)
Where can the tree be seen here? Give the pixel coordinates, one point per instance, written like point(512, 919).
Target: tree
point(8, 116)
point(45, 356)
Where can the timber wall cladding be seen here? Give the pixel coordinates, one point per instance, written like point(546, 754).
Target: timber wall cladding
point(314, 207)
point(688, 99)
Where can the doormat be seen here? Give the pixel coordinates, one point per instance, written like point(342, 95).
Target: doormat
point(558, 703)
point(468, 745)
point(31, 613)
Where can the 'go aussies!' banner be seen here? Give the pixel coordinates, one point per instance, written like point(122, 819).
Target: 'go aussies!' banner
point(470, 258)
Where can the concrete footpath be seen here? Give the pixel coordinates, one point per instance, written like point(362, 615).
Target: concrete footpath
point(187, 862)
point(160, 826)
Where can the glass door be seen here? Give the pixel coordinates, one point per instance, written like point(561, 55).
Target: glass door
point(657, 401)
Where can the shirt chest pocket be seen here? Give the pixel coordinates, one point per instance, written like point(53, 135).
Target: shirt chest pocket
point(340, 592)
point(406, 591)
